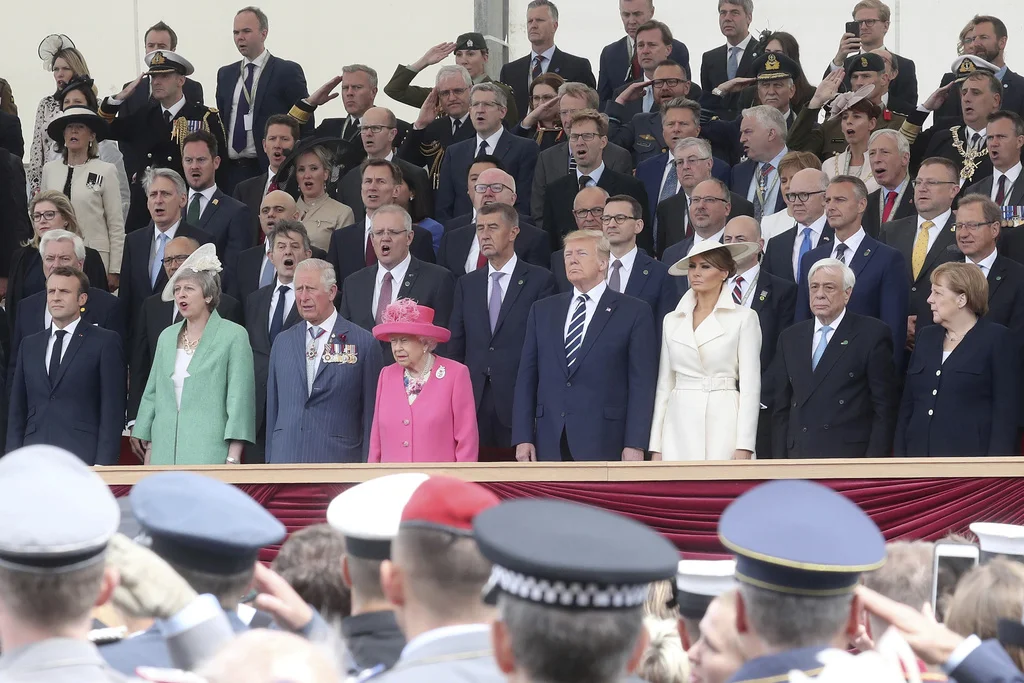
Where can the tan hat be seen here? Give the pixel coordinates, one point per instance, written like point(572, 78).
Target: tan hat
point(739, 250)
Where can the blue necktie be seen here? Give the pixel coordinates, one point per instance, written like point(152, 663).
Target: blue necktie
point(269, 273)
point(734, 63)
point(819, 350)
point(805, 247)
point(277, 322)
point(158, 259)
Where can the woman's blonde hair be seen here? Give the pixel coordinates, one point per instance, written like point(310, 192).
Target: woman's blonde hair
point(63, 206)
point(76, 60)
point(966, 279)
point(659, 598)
point(985, 595)
point(664, 660)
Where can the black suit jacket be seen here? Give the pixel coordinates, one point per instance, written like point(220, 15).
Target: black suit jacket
point(901, 235)
point(250, 193)
point(774, 301)
point(904, 208)
point(426, 147)
point(11, 137)
point(531, 245)
point(778, 253)
point(714, 71)
point(949, 114)
point(615, 66)
point(347, 251)
point(495, 355)
point(155, 316)
point(941, 141)
point(844, 408)
point(516, 74)
point(559, 197)
point(425, 283)
point(257, 324)
point(135, 285)
point(350, 190)
point(1006, 296)
point(903, 93)
point(250, 266)
point(227, 222)
point(672, 216)
point(984, 186)
point(82, 409)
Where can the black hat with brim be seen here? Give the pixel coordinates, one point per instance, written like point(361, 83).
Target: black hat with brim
point(82, 115)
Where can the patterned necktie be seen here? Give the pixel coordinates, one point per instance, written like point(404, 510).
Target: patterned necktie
point(761, 193)
point(841, 253)
point(819, 350)
point(920, 252)
point(572, 162)
point(976, 141)
point(314, 334)
point(58, 347)
point(192, 217)
point(538, 67)
point(574, 339)
point(277, 322)
point(615, 279)
point(669, 189)
point(634, 66)
point(239, 139)
point(385, 296)
point(805, 246)
point(158, 259)
point(494, 304)
point(1001, 192)
point(734, 63)
point(890, 204)
point(737, 290)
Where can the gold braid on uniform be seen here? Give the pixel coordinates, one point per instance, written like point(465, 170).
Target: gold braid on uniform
point(910, 131)
point(435, 150)
point(301, 111)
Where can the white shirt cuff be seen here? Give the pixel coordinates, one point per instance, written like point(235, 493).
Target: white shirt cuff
point(832, 68)
point(923, 109)
point(202, 609)
point(114, 101)
point(962, 652)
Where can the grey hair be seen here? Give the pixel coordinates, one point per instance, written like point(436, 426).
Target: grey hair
point(499, 94)
point(326, 270)
point(208, 281)
point(769, 117)
point(361, 68)
point(322, 154)
point(703, 145)
point(902, 146)
point(747, 5)
point(682, 103)
point(261, 16)
point(570, 646)
point(849, 278)
point(395, 209)
point(62, 236)
point(793, 621)
point(154, 172)
point(582, 91)
point(534, 4)
point(454, 70)
point(285, 227)
point(860, 190)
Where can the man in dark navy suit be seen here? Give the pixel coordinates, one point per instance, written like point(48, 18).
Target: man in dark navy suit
point(644, 132)
point(1004, 140)
point(763, 136)
point(889, 156)
point(544, 57)
point(489, 317)
point(811, 229)
point(68, 387)
point(882, 291)
point(225, 219)
point(735, 58)
point(590, 358)
point(252, 90)
point(518, 155)
point(279, 138)
point(662, 79)
point(620, 61)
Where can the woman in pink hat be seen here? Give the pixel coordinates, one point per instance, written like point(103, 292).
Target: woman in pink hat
point(425, 410)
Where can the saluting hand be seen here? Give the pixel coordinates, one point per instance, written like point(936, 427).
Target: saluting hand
point(827, 89)
point(540, 113)
point(433, 56)
point(428, 112)
point(938, 98)
point(736, 84)
point(930, 640)
point(634, 92)
point(129, 89)
point(324, 93)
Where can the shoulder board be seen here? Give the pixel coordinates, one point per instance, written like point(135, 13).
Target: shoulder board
point(106, 636)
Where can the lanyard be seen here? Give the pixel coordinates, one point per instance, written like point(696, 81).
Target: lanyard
point(255, 77)
point(763, 194)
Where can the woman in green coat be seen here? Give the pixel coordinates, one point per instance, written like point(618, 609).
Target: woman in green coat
point(199, 404)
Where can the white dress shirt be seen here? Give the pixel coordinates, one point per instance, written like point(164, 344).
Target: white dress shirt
point(627, 259)
point(250, 145)
point(170, 232)
point(509, 266)
point(174, 108)
point(70, 329)
point(327, 326)
point(986, 263)
point(545, 63)
point(773, 184)
point(1011, 179)
point(749, 281)
point(717, 237)
point(289, 301)
point(271, 174)
point(205, 197)
point(816, 337)
point(594, 295)
point(367, 227)
point(398, 277)
point(742, 45)
point(594, 175)
point(816, 229)
point(474, 249)
point(852, 245)
point(492, 142)
point(933, 233)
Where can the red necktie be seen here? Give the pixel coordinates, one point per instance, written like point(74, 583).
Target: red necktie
point(890, 203)
point(737, 290)
point(272, 187)
point(635, 72)
point(1001, 193)
point(371, 255)
point(481, 260)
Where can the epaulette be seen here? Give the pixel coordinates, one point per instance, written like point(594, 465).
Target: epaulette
point(106, 636)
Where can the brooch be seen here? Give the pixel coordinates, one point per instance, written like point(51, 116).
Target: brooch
point(440, 372)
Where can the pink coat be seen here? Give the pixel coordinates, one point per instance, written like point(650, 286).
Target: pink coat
point(440, 426)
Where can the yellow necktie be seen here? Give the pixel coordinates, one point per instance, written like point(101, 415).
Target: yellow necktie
point(920, 248)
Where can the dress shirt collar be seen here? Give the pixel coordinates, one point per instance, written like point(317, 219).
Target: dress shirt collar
point(508, 268)
point(278, 283)
point(492, 141)
point(547, 55)
point(749, 276)
point(260, 61)
point(969, 133)
point(986, 263)
point(816, 227)
point(627, 259)
point(717, 237)
point(852, 244)
point(327, 325)
point(207, 194)
point(594, 175)
point(397, 273)
point(70, 328)
point(174, 108)
point(461, 121)
point(834, 325)
point(742, 45)
point(1001, 74)
point(170, 232)
point(899, 188)
point(778, 157)
point(939, 221)
point(1011, 176)
point(595, 294)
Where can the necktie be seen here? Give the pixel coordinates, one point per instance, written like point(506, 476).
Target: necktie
point(481, 260)
point(371, 255)
point(538, 67)
point(669, 189)
point(920, 252)
point(574, 339)
point(456, 124)
point(482, 151)
point(158, 259)
point(819, 350)
point(761, 193)
point(58, 346)
point(572, 162)
point(841, 253)
point(192, 217)
point(272, 187)
point(314, 334)
point(269, 273)
point(805, 246)
point(615, 279)
point(890, 204)
point(734, 62)
point(687, 226)
point(239, 140)
point(67, 183)
point(494, 304)
point(585, 181)
point(634, 67)
point(737, 290)
point(167, 117)
point(385, 296)
point(976, 140)
point(1000, 195)
point(277, 322)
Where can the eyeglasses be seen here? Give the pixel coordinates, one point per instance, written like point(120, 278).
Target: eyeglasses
point(596, 212)
point(932, 183)
point(454, 92)
point(688, 161)
point(868, 23)
point(174, 260)
point(480, 188)
point(587, 137)
point(707, 200)
point(374, 129)
point(379, 234)
point(668, 82)
point(619, 218)
point(801, 196)
point(485, 105)
point(47, 215)
point(973, 226)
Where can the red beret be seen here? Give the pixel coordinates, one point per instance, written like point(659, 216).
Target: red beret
point(448, 504)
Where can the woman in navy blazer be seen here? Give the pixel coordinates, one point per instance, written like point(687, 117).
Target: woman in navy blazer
point(961, 391)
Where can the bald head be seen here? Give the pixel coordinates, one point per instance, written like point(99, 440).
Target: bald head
point(500, 188)
point(589, 198)
point(175, 253)
point(740, 230)
point(276, 206)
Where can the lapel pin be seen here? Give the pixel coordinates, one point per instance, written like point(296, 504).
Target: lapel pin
point(609, 309)
point(215, 202)
point(845, 342)
point(998, 278)
point(647, 272)
point(764, 294)
point(826, 238)
point(521, 283)
point(867, 251)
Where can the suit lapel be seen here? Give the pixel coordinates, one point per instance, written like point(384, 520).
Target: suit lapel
point(463, 246)
point(945, 238)
point(763, 286)
point(512, 292)
point(211, 208)
point(263, 314)
point(556, 63)
point(409, 284)
point(560, 313)
point(995, 276)
point(504, 144)
point(335, 336)
point(837, 346)
point(69, 355)
point(265, 76)
point(639, 275)
point(861, 258)
point(605, 309)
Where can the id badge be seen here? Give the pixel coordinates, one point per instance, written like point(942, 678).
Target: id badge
point(247, 121)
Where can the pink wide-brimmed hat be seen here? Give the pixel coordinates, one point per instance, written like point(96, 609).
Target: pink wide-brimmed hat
point(405, 316)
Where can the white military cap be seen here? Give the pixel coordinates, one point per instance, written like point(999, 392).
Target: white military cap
point(999, 539)
point(698, 582)
point(368, 514)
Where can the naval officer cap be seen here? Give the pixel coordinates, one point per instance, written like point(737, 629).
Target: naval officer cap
point(698, 582)
point(59, 514)
point(167, 62)
point(966, 65)
point(200, 523)
point(560, 554)
point(368, 514)
point(446, 504)
point(999, 540)
point(800, 538)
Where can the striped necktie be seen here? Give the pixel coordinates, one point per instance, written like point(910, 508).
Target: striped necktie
point(574, 339)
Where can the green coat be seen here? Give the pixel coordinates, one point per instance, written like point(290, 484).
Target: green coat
point(217, 400)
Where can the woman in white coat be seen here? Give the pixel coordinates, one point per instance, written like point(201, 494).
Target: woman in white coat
point(709, 380)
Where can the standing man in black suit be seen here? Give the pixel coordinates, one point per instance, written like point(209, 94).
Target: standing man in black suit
point(1005, 138)
point(142, 272)
point(226, 220)
point(774, 301)
point(488, 321)
point(811, 229)
point(157, 315)
point(620, 61)
point(252, 90)
point(889, 156)
point(732, 60)
point(397, 274)
point(271, 310)
point(460, 250)
point(588, 137)
point(836, 385)
point(710, 207)
point(544, 57)
point(279, 138)
point(68, 388)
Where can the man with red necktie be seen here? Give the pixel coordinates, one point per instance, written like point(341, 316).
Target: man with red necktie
point(889, 156)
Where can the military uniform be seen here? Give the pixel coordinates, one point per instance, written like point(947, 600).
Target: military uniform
point(698, 583)
point(426, 147)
